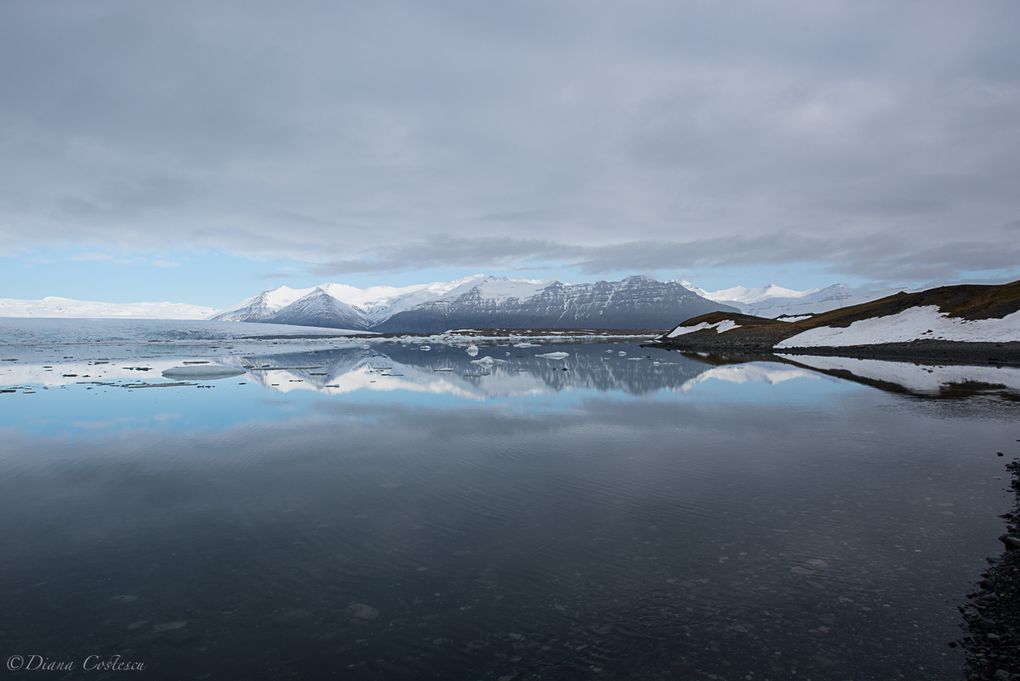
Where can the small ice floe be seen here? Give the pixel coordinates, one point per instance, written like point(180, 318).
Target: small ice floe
point(443, 369)
point(622, 353)
point(472, 350)
point(487, 361)
point(207, 372)
point(526, 344)
point(425, 348)
point(553, 355)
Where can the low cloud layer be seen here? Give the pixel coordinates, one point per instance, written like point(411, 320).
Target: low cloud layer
point(874, 139)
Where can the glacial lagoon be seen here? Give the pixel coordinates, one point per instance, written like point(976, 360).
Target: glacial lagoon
point(396, 509)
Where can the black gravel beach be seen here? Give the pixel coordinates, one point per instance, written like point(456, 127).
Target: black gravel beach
point(992, 617)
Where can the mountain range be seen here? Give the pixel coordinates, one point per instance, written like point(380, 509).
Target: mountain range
point(477, 301)
point(480, 301)
point(773, 300)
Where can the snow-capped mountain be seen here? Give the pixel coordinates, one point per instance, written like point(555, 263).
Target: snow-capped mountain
point(633, 303)
point(822, 300)
point(742, 295)
point(318, 308)
point(475, 301)
point(479, 301)
point(53, 306)
point(773, 300)
point(371, 305)
point(259, 308)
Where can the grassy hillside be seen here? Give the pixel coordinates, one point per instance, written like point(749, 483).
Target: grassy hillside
point(970, 302)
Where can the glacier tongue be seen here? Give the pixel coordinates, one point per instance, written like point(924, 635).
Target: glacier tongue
point(53, 306)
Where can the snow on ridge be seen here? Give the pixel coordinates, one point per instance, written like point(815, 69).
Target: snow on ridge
point(916, 323)
point(747, 296)
point(378, 303)
point(774, 300)
point(720, 327)
point(282, 296)
point(374, 297)
point(742, 294)
point(497, 288)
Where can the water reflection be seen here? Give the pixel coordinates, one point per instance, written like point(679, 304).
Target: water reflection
point(485, 371)
point(388, 512)
point(494, 371)
point(922, 380)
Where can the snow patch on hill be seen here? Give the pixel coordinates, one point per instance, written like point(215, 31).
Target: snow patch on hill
point(720, 327)
point(915, 323)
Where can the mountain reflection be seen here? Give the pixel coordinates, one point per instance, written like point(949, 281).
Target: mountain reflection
point(496, 371)
point(489, 370)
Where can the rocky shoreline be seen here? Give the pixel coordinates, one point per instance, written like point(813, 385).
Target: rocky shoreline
point(927, 352)
point(992, 618)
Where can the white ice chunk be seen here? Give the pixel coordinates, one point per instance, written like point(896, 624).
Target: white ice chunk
point(206, 372)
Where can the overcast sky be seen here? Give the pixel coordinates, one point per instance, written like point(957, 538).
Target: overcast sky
point(240, 145)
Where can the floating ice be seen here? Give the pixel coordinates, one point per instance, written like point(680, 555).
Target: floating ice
point(207, 372)
point(553, 355)
point(488, 361)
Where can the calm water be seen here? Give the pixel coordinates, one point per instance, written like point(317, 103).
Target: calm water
point(429, 517)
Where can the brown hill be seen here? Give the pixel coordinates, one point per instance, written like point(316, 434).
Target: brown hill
point(757, 334)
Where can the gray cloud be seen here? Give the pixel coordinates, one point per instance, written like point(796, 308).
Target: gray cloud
point(870, 138)
point(880, 257)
